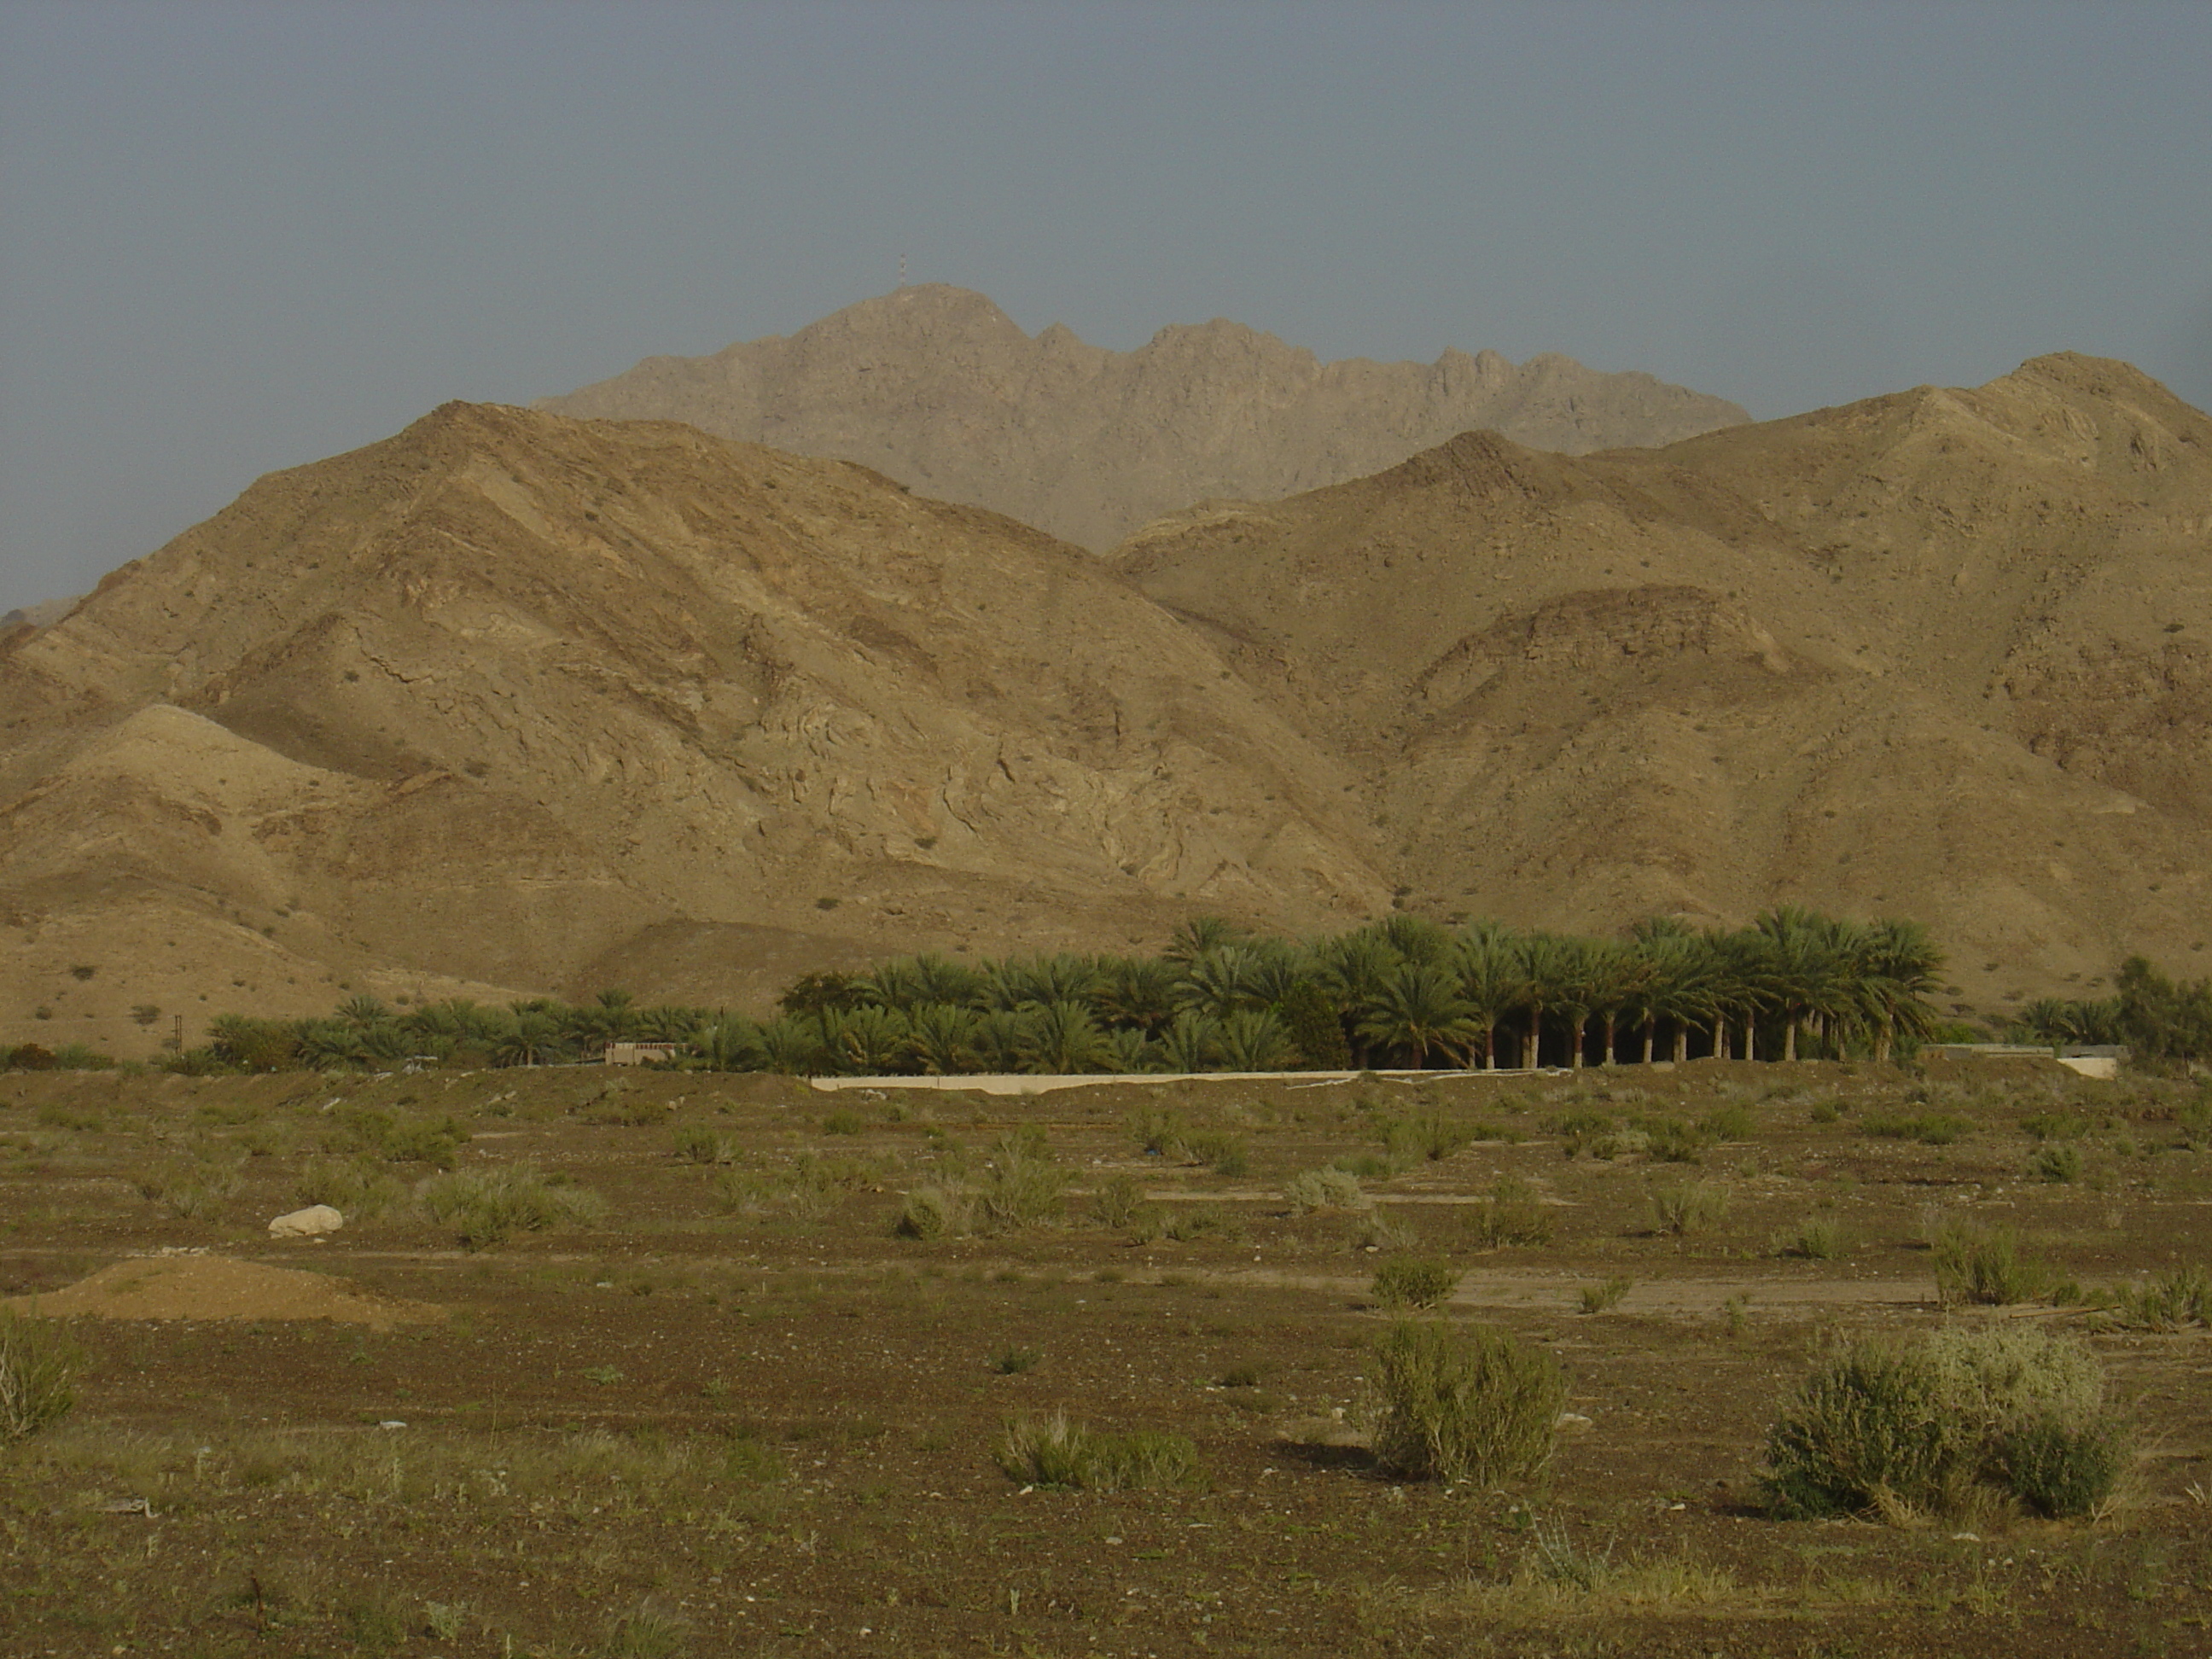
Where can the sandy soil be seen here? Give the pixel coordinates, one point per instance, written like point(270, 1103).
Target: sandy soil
point(739, 1414)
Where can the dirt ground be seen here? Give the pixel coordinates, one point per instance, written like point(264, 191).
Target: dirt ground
point(740, 1414)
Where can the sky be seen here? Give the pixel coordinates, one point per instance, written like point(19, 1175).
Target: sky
point(237, 236)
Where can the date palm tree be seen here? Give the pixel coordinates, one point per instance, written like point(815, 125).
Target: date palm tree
point(1256, 1040)
point(1125, 1049)
point(1808, 966)
point(792, 1045)
point(1418, 1011)
point(1492, 982)
point(1199, 935)
point(1062, 1037)
point(1900, 968)
point(1351, 970)
point(1191, 1043)
point(941, 1038)
point(1221, 981)
point(724, 1041)
point(1614, 976)
point(1137, 992)
point(1548, 965)
point(867, 1041)
point(1743, 988)
point(530, 1036)
point(1681, 972)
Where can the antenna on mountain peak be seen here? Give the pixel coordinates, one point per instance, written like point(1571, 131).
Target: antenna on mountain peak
point(902, 271)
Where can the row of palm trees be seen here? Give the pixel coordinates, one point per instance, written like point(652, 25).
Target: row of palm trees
point(2158, 1018)
point(1401, 992)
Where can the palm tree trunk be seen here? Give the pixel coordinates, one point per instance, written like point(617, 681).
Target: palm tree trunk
point(1790, 1043)
point(1681, 1042)
point(1535, 1039)
point(1721, 1038)
point(1650, 1037)
point(1490, 1048)
point(1581, 1026)
point(1750, 1037)
point(1611, 1027)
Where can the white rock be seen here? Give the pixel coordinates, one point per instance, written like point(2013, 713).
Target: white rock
point(305, 1223)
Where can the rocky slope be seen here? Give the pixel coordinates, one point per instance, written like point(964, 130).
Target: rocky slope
point(938, 388)
point(475, 708)
point(515, 702)
point(1942, 654)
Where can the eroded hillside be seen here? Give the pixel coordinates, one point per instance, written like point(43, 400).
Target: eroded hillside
point(513, 703)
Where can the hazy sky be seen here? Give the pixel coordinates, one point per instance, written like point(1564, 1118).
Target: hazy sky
point(235, 237)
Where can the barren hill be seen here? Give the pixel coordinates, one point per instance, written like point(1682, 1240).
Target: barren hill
point(938, 388)
point(476, 707)
point(515, 702)
point(1942, 654)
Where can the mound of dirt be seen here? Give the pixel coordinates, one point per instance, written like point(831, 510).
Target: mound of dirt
point(216, 1287)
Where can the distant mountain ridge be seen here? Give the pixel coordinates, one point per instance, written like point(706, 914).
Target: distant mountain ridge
point(937, 388)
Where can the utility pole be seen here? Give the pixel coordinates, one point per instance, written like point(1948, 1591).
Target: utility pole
point(902, 271)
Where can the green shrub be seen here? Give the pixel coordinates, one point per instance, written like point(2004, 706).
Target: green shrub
point(742, 1192)
point(1430, 1134)
point(1226, 1153)
point(190, 1192)
point(1413, 1281)
point(614, 1105)
point(1670, 1140)
point(1051, 1451)
point(695, 1143)
point(1816, 1238)
point(2194, 1122)
point(1369, 1166)
point(1734, 1122)
point(1205, 1221)
point(1013, 1362)
point(1577, 1129)
point(1690, 1207)
point(1925, 1430)
point(82, 1057)
point(1325, 1190)
point(1986, 1264)
point(1867, 1430)
point(1606, 1297)
point(39, 1367)
point(2173, 1299)
point(358, 1190)
point(1512, 1215)
point(1930, 1128)
point(1117, 1200)
point(843, 1123)
point(2054, 1126)
point(2058, 1163)
point(1021, 1185)
point(435, 1141)
point(935, 1212)
point(487, 1206)
point(1157, 1130)
point(2057, 1470)
point(647, 1632)
point(61, 1117)
point(1477, 1406)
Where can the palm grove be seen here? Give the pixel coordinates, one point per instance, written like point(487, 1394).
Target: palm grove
point(1403, 992)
